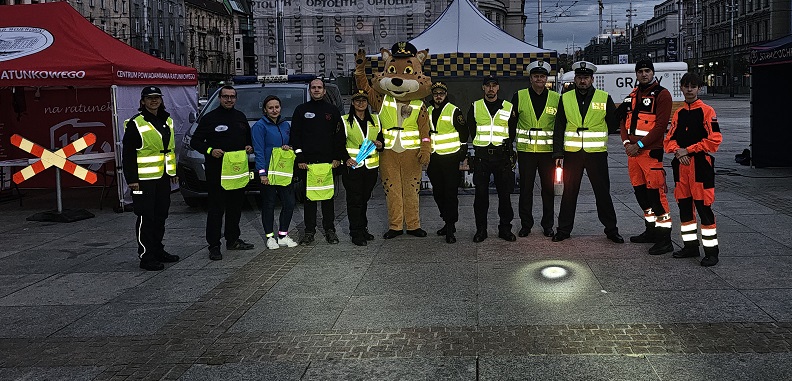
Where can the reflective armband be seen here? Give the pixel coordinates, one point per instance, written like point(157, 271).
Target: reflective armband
point(262, 172)
point(640, 144)
point(209, 151)
point(426, 140)
point(624, 143)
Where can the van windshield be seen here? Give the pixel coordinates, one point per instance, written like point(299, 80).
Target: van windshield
point(249, 100)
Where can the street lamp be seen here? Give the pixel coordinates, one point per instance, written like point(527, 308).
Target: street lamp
point(732, 10)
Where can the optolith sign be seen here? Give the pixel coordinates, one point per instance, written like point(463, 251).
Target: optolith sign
point(20, 41)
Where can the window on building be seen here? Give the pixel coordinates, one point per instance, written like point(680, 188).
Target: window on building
point(90, 3)
point(102, 4)
point(765, 32)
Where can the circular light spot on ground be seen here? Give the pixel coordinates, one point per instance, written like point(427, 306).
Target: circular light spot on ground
point(554, 272)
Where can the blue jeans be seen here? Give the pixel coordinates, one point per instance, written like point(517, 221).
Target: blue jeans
point(268, 198)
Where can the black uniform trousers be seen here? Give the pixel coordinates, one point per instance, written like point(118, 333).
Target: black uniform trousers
point(443, 172)
point(310, 207)
point(529, 164)
point(596, 167)
point(358, 183)
point(151, 207)
point(222, 202)
point(493, 162)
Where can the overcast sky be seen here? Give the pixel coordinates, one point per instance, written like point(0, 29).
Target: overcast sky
point(567, 23)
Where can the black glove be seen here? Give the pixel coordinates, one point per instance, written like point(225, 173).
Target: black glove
point(462, 153)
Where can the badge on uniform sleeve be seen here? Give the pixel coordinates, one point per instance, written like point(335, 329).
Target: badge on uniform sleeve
point(221, 128)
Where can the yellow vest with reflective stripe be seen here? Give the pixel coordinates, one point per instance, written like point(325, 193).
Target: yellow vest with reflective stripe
point(389, 118)
point(536, 135)
point(445, 138)
point(234, 173)
point(489, 129)
point(152, 163)
point(319, 182)
point(354, 138)
point(593, 136)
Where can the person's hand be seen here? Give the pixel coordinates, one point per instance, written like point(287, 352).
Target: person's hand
point(249, 149)
point(302, 165)
point(286, 147)
point(685, 160)
point(351, 162)
point(378, 144)
point(217, 153)
point(134, 186)
point(560, 162)
point(264, 180)
point(336, 163)
point(631, 149)
point(175, 180)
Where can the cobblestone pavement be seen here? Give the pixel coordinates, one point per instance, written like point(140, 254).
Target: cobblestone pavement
point(75, 307)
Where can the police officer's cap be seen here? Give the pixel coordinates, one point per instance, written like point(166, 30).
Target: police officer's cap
point(403, 49)
point(584, 68)
point(360, 94)
point(439, 85)
point(490, 78)
point(150, 90)
point(538, 67)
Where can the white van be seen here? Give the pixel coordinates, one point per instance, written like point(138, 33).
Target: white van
point(619, 80)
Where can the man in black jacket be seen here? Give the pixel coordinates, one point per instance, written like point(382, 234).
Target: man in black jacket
point(149, 169)
point(317, 135)
point(224, 129)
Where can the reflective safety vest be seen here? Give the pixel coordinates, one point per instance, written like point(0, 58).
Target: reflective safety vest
point(153, 160)
point(445, 138)
point(591, 136)
point(646, 111)
point(234, 174)
point(354, 139)
point(281, 166)
point(319, 182)
point(536, 135)
point(389, 121)
point(489, 129)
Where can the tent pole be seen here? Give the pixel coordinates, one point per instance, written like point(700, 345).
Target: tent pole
point(117, 149)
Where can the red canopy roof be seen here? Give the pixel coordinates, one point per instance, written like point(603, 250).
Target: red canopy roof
point(51, 44)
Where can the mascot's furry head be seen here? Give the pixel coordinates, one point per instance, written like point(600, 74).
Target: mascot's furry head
point(403, 77)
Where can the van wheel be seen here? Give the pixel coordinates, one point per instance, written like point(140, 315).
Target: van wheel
point(194, 202)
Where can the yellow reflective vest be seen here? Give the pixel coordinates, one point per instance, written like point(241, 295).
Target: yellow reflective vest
point(389, 121)
point(152, 162)
point(445, 138)
point(319, 182)
point(591, 136)
point(536, 135)
point(354, 139)
point(234, 173)
point(491, 129)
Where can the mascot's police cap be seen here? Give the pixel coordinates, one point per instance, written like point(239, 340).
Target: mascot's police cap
point(539, 66)
point(439, 85)
point(403, 49)
point(150, 90)
point(360, 94)
point(584, 67)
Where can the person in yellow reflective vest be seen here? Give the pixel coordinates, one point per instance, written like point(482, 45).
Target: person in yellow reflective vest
point(360, 178)
point(488, 123)
point(271, 134)
point(585, 117)
point(318, 138)
point(449, 147)
point(149, 163)
point(224, 129)
point(531, 126)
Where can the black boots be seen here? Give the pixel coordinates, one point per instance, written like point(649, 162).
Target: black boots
point(710, 256)
point(648, 236)
point(690, 250)
point(662, 239)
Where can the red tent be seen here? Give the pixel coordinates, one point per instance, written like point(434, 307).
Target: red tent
point(51, 44)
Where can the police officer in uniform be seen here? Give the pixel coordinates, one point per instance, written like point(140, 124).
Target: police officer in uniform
point(224, 129)
point(149, 163)
point(449, 147)
point(531, 126)
point(488, 123)
point(584, 119)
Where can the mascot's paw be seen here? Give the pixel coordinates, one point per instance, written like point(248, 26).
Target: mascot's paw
point(423, 156)
point(360, 57)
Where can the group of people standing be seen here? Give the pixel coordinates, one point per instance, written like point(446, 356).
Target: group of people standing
point(547, 129)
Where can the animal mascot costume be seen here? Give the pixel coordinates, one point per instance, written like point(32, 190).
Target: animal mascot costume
point(397, 94)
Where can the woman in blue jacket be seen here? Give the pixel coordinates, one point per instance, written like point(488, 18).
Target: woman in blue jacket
point(269, 133)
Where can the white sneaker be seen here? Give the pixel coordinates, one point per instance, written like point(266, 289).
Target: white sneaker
point(286, 241)
point(272, 244)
